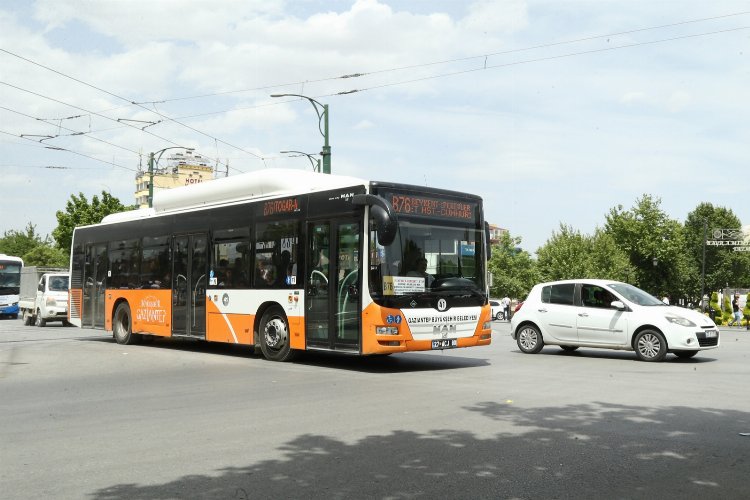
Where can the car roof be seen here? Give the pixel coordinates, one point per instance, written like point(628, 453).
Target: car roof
point(590, 281)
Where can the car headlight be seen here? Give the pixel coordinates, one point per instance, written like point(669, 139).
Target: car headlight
point(679, 320)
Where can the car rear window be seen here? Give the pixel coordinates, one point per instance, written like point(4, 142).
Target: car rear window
point(559, 294)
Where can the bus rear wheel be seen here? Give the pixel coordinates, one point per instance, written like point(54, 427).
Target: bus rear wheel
point(122, 326)
point(274, 336)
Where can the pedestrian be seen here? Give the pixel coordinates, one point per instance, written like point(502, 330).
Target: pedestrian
point(736, 311)
point(506, 307)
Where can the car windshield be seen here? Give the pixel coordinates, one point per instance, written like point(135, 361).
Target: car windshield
point(636, 295)
point(58, 283)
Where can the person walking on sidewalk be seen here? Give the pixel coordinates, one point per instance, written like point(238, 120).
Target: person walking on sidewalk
point(736, 311)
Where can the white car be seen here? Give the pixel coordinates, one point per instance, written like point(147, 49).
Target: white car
point(498, 311)
point(611, 315)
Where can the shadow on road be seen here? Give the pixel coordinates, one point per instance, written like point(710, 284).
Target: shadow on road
point(578, 451)
point(396, 363)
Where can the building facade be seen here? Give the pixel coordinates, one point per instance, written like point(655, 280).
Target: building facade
point(179, 169)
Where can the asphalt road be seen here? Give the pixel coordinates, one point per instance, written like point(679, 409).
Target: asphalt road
point(83, 417)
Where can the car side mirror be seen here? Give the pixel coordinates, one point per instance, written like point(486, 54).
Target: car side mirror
point(618, 304)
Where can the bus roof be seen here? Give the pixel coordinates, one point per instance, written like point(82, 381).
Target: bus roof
point(11, 258)
point(249, 186)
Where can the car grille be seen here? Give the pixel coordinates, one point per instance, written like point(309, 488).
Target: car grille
point(704, 342)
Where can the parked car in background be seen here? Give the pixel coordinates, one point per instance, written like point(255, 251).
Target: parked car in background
point(497, 310)
point(611, 315)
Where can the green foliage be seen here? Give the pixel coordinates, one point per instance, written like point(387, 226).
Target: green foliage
point(79, 212)
point(30, 246)
point(19, 243)
point(746, 309)
point(513, 270)
point(722, 266)
point(568, 255)
point(47, 256)
point(654, 245)
point(726, 310)
point(714, 302)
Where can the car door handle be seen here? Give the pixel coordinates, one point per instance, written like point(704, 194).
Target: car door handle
point(542, 310)
point(583, 315)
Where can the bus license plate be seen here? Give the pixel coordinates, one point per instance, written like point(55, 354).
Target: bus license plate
point(444, 343)
point(711, 334)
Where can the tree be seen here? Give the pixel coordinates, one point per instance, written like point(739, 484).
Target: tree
point(79, 212)
point(654, 244)
point(568, 254)
point(19, 243)
point(47, 256)
point(513, 270)
point(724, 268)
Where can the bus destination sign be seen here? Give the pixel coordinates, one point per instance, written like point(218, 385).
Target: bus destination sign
point(427, 206)
point(283, 206)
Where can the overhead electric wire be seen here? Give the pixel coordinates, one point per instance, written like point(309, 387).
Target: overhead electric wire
point(57, 148)
point(98, 114)
point(435, 63)
point(131, 101)
point(516, 63)
point(86, 134)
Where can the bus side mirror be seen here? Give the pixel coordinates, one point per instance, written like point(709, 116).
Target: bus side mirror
point(382, 212)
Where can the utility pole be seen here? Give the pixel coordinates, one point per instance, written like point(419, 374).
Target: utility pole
point(703, 267)
point(322, 119)
point(150, 180)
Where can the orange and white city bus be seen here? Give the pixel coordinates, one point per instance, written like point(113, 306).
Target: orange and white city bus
point(286, 261)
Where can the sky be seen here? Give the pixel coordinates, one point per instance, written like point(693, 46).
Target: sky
point(553, 111)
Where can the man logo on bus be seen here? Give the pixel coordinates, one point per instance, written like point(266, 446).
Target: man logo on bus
point(442, 305)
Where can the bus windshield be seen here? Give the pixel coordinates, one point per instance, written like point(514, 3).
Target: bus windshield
point(427, 258)
point(10, 278)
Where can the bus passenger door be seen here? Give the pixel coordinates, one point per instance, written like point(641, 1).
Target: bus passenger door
point(94, 285)
point(332, 316)
point(189, 262)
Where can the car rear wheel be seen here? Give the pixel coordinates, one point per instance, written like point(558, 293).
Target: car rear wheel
point(685, 354)
point(499, 316)
point(529, 339)
point(650, 345)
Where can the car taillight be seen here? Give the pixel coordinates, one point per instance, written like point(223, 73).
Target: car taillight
point(518, 307)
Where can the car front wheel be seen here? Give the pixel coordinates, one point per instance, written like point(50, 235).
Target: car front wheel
point(529, 339)
point(650, 345)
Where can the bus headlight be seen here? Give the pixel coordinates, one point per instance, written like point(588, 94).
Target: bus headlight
point(386, 330)
point(487, 325)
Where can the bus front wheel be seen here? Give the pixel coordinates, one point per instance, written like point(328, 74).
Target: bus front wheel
point(122, 326)
point(274, 336)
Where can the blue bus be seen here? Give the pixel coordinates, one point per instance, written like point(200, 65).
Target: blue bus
point(10, 285)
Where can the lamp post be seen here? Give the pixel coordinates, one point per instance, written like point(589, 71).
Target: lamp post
point(151, 164)
point(703, 265)
point(322, 111)
point(313, 161)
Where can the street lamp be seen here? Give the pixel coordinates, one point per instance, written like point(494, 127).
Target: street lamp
point(314, 161)
point(703, 265)
point(151, 164)
point(322, 111)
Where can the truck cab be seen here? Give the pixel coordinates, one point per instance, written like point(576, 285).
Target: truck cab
point(50, 302)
